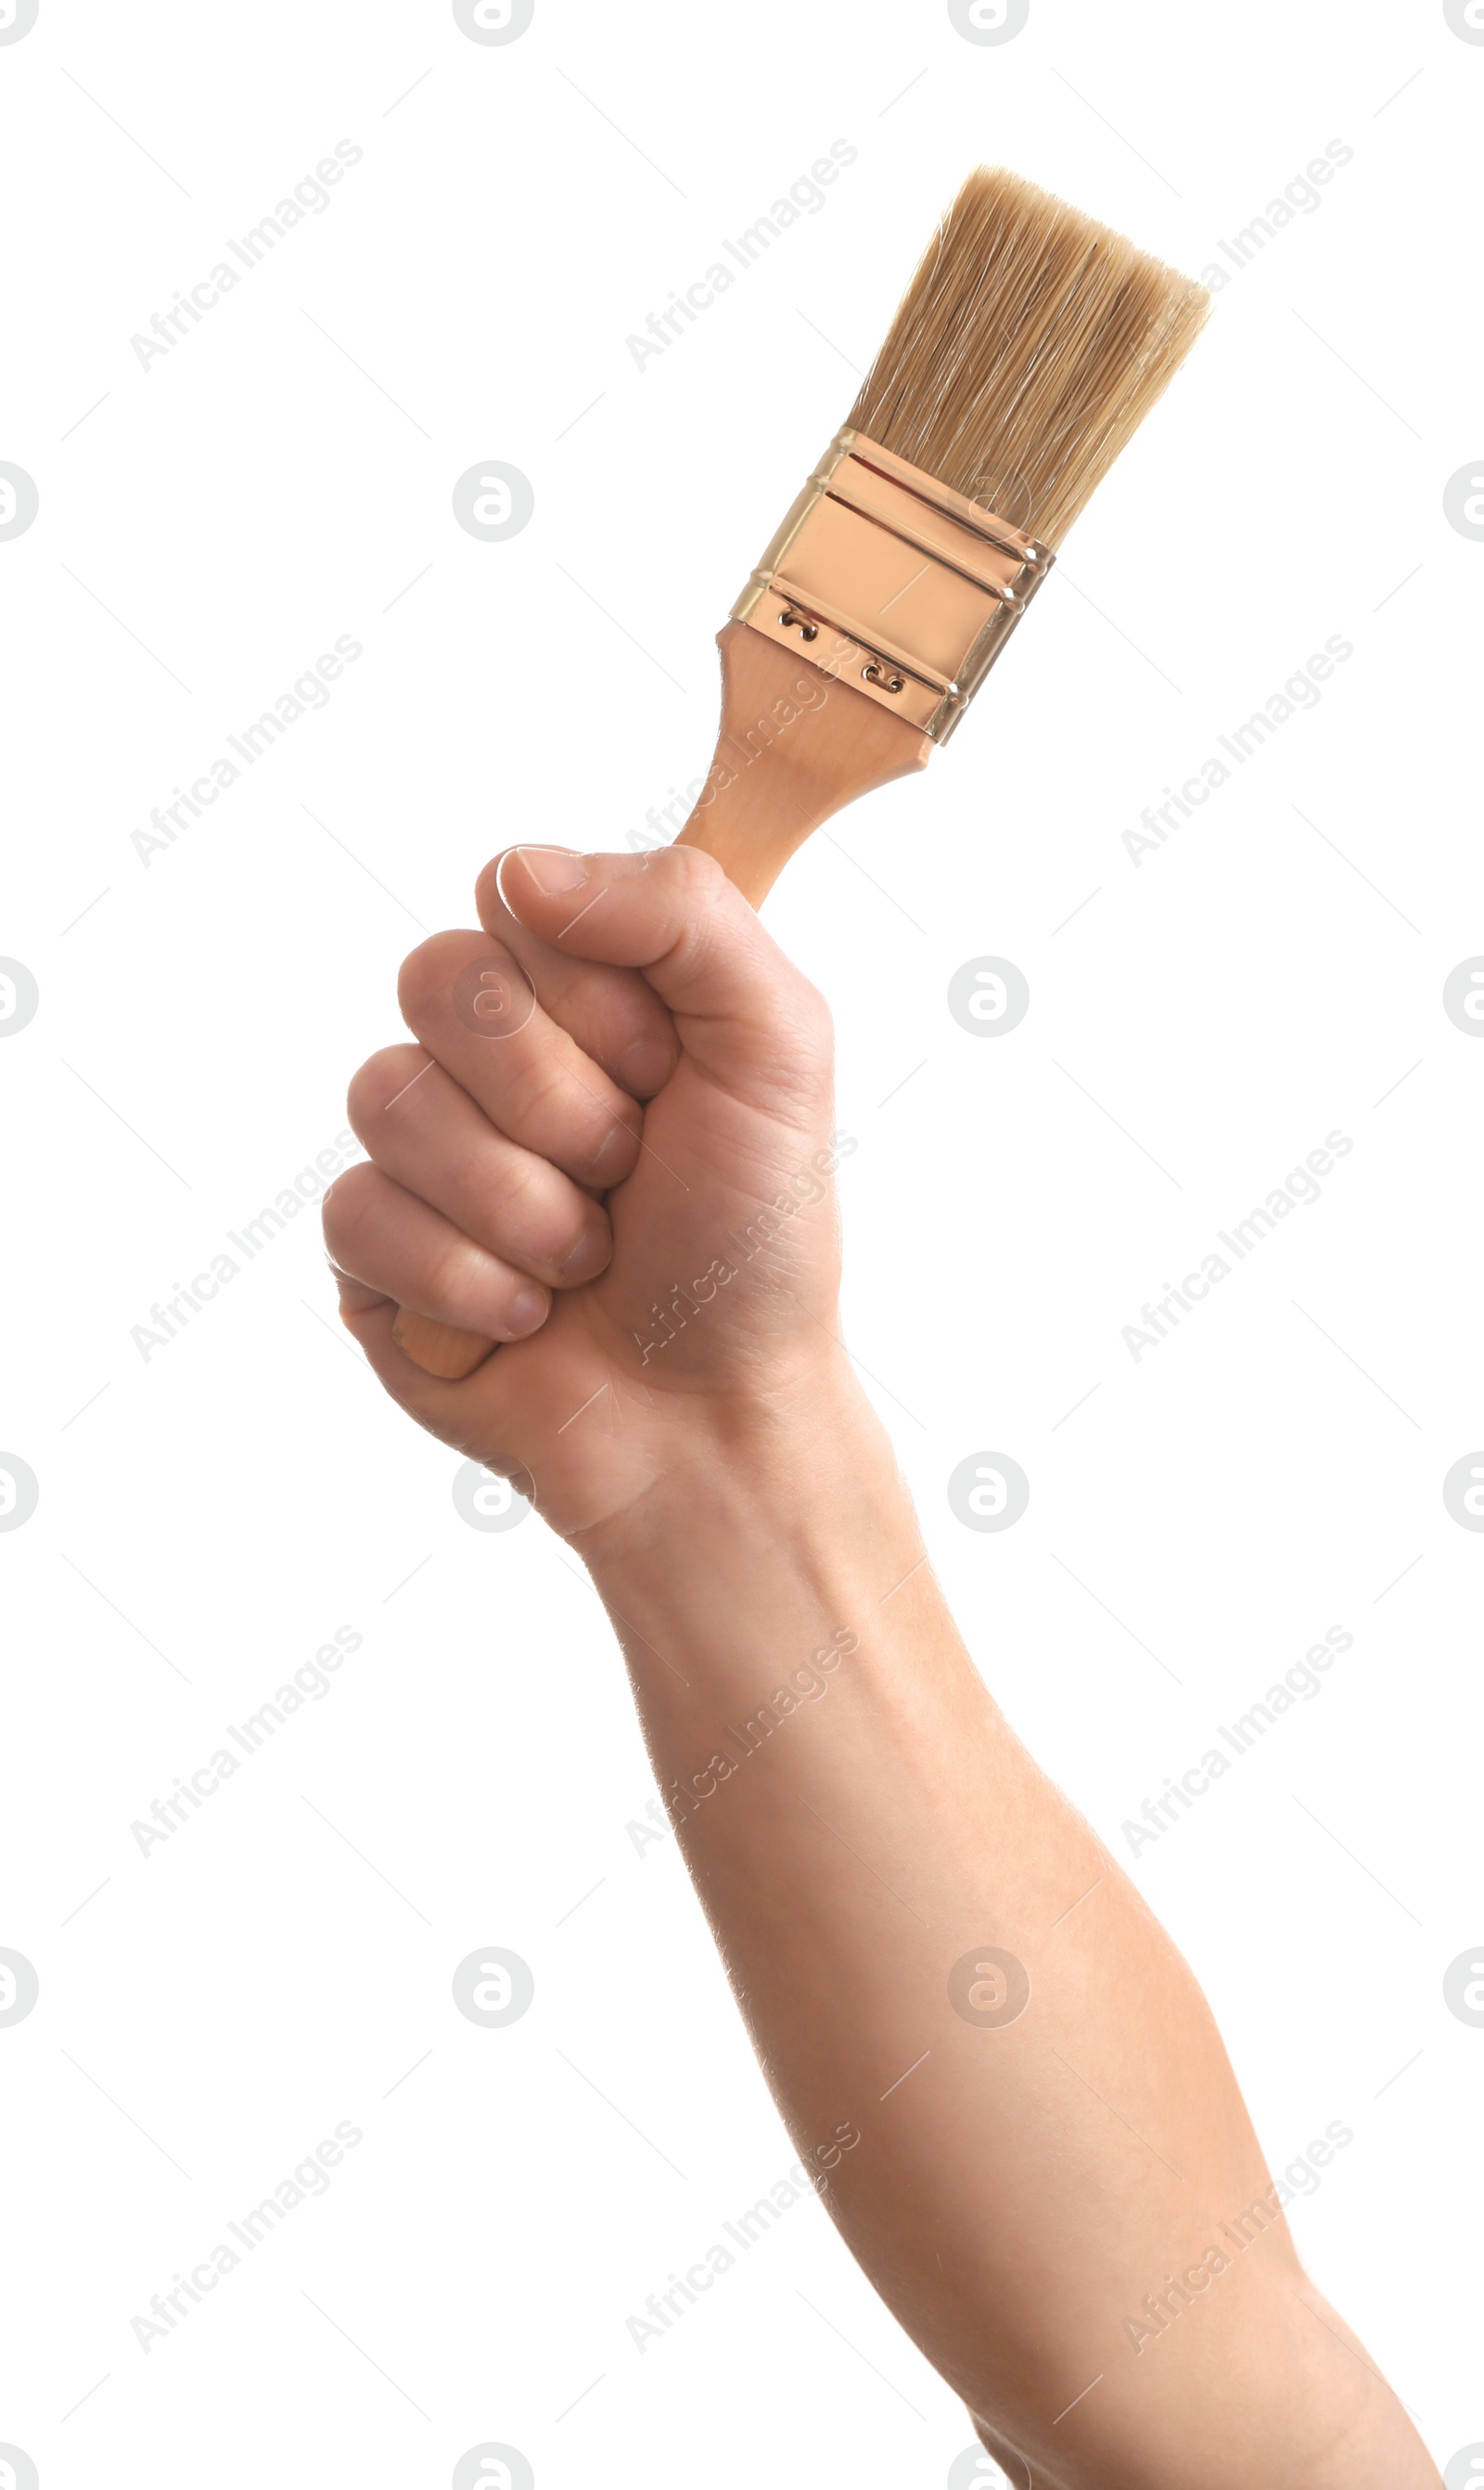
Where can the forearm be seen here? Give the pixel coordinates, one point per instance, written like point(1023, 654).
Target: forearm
point(1000, 2068)
point(868, 1839)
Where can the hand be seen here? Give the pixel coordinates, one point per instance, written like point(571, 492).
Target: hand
point(661, 1276)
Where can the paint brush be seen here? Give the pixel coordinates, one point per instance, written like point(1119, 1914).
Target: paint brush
point(1027, 351)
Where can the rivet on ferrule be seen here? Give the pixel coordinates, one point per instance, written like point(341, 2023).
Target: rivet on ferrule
point(899, 585)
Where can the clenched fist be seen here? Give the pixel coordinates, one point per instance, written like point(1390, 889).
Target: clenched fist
point(610, 1149)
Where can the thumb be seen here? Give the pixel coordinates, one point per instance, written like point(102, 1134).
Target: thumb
point(742, 1012)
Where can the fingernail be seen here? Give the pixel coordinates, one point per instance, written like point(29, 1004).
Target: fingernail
point(586, 1259)
point(615, 1150)
point(645, 1066)
point(528, 1313)
point(554, 870)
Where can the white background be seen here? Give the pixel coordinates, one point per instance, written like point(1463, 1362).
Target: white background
point(209, 1515)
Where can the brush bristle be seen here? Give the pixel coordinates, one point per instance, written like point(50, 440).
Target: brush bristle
point(1028, 349)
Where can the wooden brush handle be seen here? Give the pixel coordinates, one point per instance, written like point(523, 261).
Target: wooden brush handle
point(795, 746)
point(439, 1348)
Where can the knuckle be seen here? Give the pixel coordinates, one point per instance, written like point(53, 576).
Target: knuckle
point(426, 976)
point(535, 1094)
point(379, 1080)
point(453, 1261)
point(701, 873)
point(539, 1217)
point(346, 1208)
point(525, 1197)
point(556, 1102)
point(708, 903)
point(417, 976)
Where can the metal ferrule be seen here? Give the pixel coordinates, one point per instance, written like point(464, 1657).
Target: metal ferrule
point(888, 581)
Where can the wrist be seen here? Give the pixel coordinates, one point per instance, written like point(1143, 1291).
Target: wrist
point(803, 1485)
